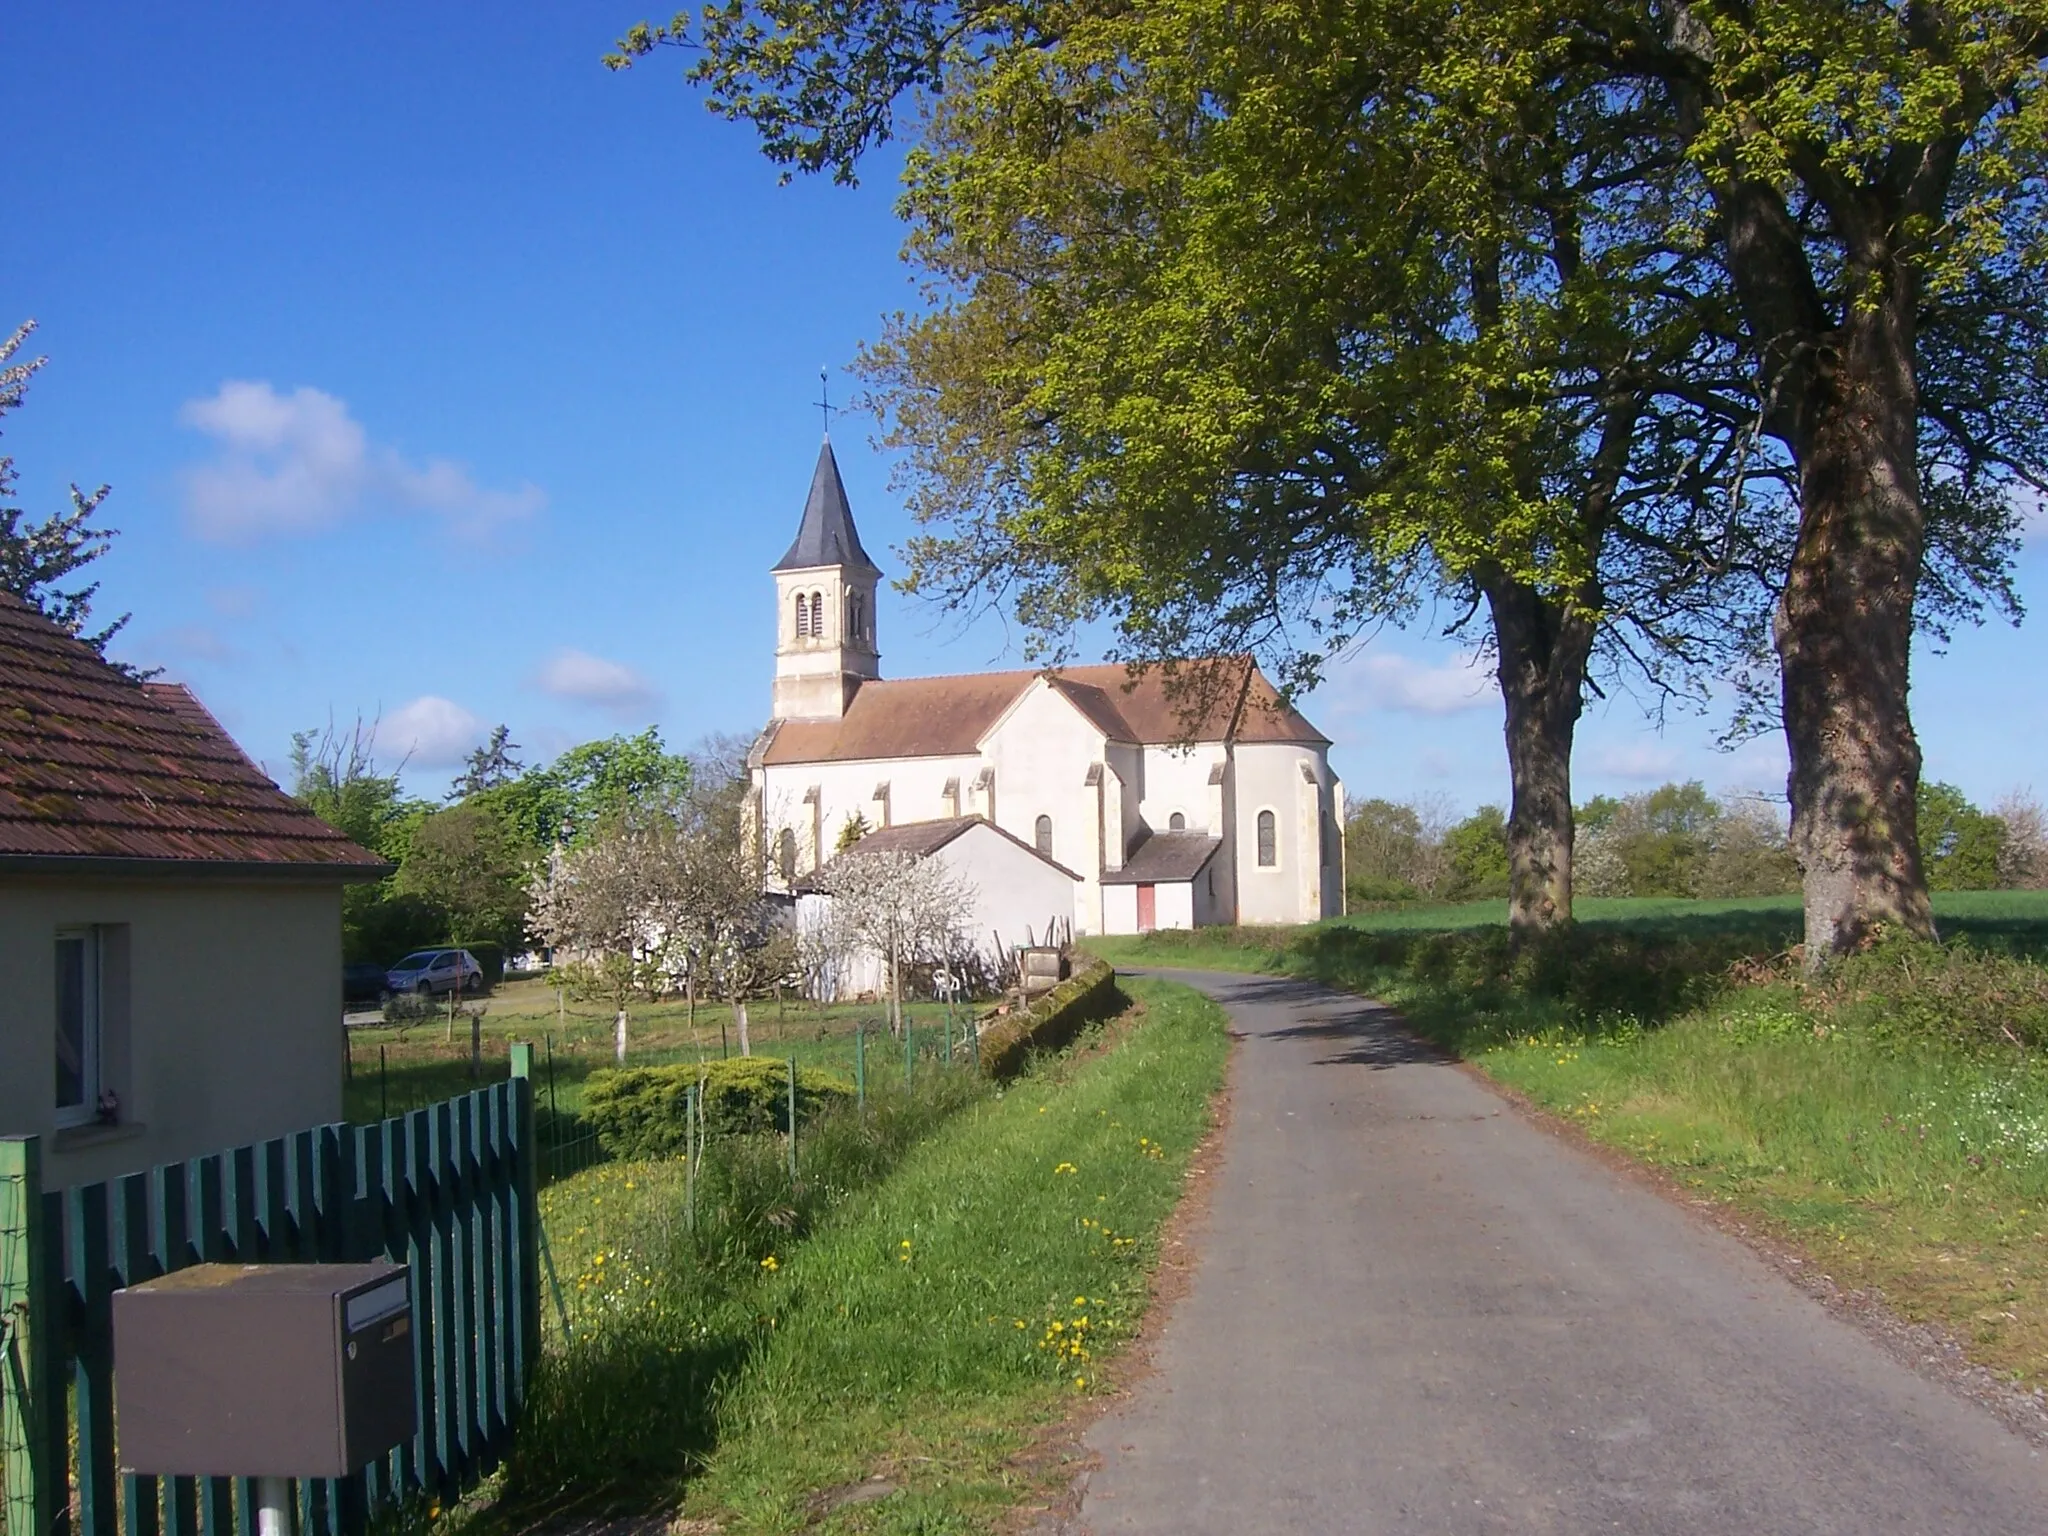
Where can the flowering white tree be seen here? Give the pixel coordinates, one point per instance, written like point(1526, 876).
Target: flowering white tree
point(900, 908)
point(606, 903)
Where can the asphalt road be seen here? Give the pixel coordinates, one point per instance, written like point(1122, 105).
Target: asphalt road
point(1414, 1311)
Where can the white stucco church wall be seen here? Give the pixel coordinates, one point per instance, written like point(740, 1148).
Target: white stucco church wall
point(1108, 772)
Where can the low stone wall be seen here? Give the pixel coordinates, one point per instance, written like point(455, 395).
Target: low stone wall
point(1085, 997)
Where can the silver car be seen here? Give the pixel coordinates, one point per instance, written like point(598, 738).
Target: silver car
point(427, 971)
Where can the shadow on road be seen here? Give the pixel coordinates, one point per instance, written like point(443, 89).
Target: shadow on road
point(1362, 1033)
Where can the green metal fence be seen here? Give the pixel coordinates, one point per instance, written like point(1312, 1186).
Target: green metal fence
point(449, 1189)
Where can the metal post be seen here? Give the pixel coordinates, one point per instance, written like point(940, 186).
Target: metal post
point(860, 1063)
point(554, 1116)
point(692, 1150)
point(383, 1087)
point(909, 1049)
point(792, 1122)
point(273, 1506)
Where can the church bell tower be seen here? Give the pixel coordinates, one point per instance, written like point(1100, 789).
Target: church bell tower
point(825, 606)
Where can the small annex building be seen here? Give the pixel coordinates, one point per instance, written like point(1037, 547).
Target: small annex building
point(1020, 897)
point(170, 922)
point(1178, 799)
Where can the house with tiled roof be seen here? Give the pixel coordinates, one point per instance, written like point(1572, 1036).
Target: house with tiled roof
point(170, 921)
point(1178, 796)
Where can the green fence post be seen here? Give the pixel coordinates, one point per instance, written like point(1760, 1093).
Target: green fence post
point(792, 1122)
point(29, 1376)
point(860, 1064)
point(909, 1049)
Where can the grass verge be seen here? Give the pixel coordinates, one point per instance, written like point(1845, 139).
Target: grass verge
point(1891, 1124)
point(923, 1329)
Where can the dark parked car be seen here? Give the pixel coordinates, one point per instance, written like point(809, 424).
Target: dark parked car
point(362, 981)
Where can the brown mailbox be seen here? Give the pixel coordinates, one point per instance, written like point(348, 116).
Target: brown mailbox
point(264, 1370)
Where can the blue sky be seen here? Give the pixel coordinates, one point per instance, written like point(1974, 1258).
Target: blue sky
point(443, 376)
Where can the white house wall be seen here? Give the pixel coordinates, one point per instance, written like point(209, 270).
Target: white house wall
point(1173, 905)
point(916, 793)
point(1041, 752)
point(1177, 779)
point(1269, 776)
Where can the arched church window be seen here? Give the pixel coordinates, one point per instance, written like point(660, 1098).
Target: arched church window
point(1176, 822)
point(785, 854)
point(803, 616)
point(1269, 849)
point(1042, 835)
point(817, 615)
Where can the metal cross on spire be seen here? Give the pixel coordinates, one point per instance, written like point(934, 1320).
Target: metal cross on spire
point(825, 397)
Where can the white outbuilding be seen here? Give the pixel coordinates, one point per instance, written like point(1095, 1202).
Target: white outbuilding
point(1013, 896)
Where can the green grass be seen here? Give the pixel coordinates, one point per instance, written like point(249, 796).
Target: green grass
point(905, 1328)
point(1893, 1121)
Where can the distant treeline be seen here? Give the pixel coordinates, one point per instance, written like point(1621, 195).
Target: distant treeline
point(1676, 840)
point(465, 864)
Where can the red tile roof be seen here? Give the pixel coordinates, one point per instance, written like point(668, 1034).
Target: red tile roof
point(1228, 699)
point(94, 767)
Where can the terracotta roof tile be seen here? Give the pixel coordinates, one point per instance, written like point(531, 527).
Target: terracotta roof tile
point(95, 766)
point(1228, 699)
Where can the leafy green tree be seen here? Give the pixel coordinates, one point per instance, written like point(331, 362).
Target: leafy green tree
point(466, 863)
point(36, 559)
point(570, 796)
point(1960, 845)
point(1477, 851)
point(1848, 198)
point(1382, 845)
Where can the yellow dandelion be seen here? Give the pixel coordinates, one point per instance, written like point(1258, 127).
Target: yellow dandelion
point(769, 1263)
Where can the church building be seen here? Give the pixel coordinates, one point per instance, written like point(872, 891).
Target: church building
point(1203, 798)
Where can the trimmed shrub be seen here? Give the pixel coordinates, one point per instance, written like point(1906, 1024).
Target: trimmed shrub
point(1083, 998)
point(641, 1112)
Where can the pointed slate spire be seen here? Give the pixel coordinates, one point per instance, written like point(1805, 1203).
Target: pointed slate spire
point(827, 535)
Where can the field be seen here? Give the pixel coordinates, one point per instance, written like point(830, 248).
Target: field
point(1892, 1123)
point(870, 1350)
point(394, 1069)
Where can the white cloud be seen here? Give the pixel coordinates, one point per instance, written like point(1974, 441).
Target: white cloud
point(430, 732)
point(588, 679)
point(299, 463)
point(1645, 760)
point(1389, 680)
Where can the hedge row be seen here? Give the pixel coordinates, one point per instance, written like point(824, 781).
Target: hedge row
point(641, 1112)
point(1053, 1021)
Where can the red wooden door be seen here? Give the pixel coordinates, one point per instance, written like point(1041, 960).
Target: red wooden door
point(1148, 908)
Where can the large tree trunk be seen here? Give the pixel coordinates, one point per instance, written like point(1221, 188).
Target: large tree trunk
point(1543, 648)
point(1844, 634)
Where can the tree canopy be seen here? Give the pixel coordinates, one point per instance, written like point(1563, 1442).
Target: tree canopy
point(37, 559)
point(1645, 324)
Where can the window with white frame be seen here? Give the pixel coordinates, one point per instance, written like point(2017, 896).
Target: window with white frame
point(1269, 841)
point(1042, 835)
point(78, 1025)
